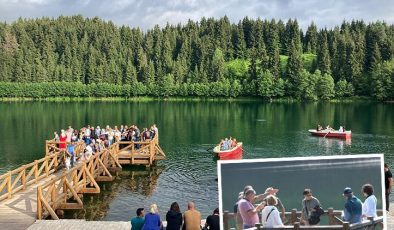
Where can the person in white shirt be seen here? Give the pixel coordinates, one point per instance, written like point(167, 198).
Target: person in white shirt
point(369, 205)
point(270, 216)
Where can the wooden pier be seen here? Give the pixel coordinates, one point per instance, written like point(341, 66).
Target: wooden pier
point(43, 188)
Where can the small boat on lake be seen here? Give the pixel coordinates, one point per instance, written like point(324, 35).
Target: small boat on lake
point(331, 133)
point(230, 154)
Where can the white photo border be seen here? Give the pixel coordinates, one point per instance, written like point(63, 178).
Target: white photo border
point(381, 156)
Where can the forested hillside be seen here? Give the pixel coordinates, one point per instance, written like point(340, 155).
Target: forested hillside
point(212, 57)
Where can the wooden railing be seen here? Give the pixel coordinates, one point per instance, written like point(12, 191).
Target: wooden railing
point(137, 150)
point(334, 222)
point(83, 178)
point(52, 147)
point(22, 177)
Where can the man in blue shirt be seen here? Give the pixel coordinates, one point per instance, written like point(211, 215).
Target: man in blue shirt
point(138, 222)
point(353, 207)
point(71, 152)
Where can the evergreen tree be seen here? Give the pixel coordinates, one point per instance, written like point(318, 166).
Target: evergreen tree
point(293, 71)
point(310, 42)
point(323, 57)
point(273, 50)
point(239, 41)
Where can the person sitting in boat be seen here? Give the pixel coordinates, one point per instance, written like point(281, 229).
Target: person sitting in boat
point(319, 128)
point(225, 145)
point(222, 144)
point(234, 144)
point(230, 142)
point(328, 128)
point(341, 129)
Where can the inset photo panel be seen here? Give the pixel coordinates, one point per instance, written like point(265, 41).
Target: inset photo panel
point(325, 192)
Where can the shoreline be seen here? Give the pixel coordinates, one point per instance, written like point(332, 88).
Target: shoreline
point(185, 99)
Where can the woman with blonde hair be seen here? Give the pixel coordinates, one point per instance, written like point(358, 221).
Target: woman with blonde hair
point(270, 216)
point(152, 219)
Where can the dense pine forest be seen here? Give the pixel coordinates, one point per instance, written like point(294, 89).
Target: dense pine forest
point(89, 57)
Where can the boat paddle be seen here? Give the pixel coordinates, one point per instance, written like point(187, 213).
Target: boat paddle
point(326, 134)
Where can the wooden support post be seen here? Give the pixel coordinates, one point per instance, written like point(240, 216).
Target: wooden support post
point(39, 205)
point(64, 188)
point(9, 187)
point(297, 225)
point(331, 219)
point(53, 193)
point(151, 152)
point(225, 220)
point(293, 216)
point(75, 178)
point(346, 226)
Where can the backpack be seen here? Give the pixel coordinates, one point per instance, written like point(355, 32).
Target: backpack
point(315, 216)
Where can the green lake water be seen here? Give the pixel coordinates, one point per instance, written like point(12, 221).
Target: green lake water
point(187, 130)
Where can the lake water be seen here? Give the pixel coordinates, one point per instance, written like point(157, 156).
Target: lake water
point(187, 130)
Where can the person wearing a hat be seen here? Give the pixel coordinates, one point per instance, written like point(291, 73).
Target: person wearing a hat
point(279, 204)
point(353, 207)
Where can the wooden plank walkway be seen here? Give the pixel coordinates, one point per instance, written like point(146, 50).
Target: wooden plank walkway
point(20, 211)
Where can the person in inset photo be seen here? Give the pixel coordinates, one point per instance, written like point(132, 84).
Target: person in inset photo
point(270, 216)
point(352, 212)
point(248, 211)
point(369, 205)
point(309, 204)
point(279, 204)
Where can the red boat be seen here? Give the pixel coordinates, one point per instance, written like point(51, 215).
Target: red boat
point(231, 154)
point(331, 133)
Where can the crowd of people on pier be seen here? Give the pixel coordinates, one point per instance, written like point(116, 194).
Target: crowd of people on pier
point(227, 143)
point(267, 209)
point(96, 139)
point(190, 220)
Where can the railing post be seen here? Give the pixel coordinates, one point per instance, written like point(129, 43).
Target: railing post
point(9, 188)
point(46, 148)
point(346, 226)
point(46, 166)
point(297, 225)
point(24, 177)
point(225, 220)
point(36, 171)
point(331, 216)
point(293, 216)
point(258, 226)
